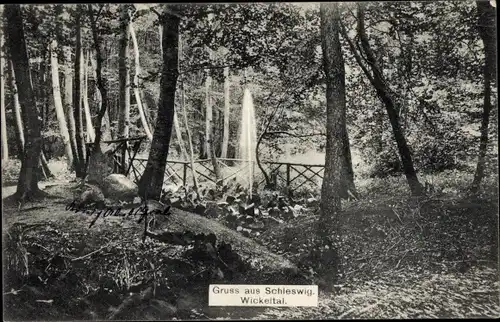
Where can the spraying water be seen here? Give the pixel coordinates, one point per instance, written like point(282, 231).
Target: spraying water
point(248, 136)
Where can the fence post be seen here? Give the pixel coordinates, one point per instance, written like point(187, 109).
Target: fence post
point(184, 175)
point(287, 175)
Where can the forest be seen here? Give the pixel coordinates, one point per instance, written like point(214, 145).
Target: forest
point(152, 150)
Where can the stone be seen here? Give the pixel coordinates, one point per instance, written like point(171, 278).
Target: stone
point(119, 187)
point(90, 194)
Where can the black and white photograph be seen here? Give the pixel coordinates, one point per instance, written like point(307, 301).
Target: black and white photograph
point(249, 160)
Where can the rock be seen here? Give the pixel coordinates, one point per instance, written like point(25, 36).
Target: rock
point(119, 187)
point(90, 194)
point(230, 199)
point(239, 228)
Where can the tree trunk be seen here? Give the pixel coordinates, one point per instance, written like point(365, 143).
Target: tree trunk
point(85, 98)
point(136, 85)
point(330, 205)
point(5, 147)
point(384, 94)
point(190, 142)
point(27, 186)
point(17, 112)
point(106, 134)
point(333, 64)
point(56, 90)
point(210, 130)
point(77, 99)
point(208, 112)
point(486, 26)
point(178, 132)
point(124, 73)
point(68, 104)
point(227, 110)
point(151, 182)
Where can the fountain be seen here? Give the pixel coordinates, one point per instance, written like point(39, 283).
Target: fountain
point(248, 137)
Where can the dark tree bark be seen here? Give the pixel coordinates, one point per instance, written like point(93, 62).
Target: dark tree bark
point(348, 187)
point(77, 101)
point(486, 27)
point(151, 182)
point(392, 108)
point(330, 205)
point(124, 73)
point(27, 187)
point(97, 168)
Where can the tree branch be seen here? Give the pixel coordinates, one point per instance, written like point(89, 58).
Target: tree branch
point(293, 134)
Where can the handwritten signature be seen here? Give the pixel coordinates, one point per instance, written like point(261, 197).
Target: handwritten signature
point(143, 211)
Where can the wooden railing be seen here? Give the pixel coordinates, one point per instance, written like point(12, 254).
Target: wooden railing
point(282, 174)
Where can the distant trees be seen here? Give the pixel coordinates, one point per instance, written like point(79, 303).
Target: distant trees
point(366, 56)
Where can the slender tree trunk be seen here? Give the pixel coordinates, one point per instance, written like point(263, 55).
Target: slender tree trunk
point(209, 126)
point(178, 132)
point(85, 98)
point(136, 85)
point(330, 206)
point(190, 142)
point(77, 99)
point(208, 114)
point(151, 182)
point(5, 147)
point(68, 105)
point(17, 112)
point(27, 186)
point(106, 133)
point(124, 73)
point(383, 92)
point(486, 26)
point(227, 111)
point(63, 128)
